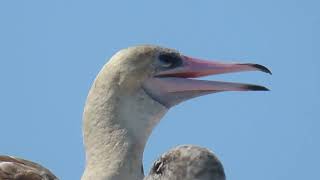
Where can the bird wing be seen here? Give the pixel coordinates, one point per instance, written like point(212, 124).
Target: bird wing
point(12, 168)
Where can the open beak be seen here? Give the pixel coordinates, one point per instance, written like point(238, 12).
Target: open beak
point(173, 86)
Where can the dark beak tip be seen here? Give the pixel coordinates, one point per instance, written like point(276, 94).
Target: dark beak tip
point(258, 67)
point(262, 68)
point(256, 88)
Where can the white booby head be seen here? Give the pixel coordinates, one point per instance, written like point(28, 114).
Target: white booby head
point(187, 162)
point(164, 74)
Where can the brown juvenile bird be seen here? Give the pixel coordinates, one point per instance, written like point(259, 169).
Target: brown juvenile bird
point(12, 168)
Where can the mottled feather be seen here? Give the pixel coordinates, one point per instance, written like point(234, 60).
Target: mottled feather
point(12, 168)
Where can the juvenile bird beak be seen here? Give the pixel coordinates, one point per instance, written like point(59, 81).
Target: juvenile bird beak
point(172, 86)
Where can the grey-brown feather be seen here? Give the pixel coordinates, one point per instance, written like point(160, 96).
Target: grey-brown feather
point(12, 168)
point(187, 162)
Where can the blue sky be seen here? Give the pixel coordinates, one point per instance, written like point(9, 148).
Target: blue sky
point(52, 50)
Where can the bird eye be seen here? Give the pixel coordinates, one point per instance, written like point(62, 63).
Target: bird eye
point(169, 60)
point(165, 61)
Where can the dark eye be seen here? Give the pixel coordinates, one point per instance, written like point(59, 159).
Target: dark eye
point(170, 60)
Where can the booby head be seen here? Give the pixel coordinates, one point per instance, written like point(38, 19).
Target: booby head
point(165, 74)
point(187, 162)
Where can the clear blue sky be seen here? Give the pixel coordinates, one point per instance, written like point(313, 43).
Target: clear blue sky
point(52, 50)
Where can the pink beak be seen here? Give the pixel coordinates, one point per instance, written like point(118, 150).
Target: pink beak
point(193, 68)
point(170, 87)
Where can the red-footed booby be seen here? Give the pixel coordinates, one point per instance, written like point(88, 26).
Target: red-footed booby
point(187, 162)
point(130, 95)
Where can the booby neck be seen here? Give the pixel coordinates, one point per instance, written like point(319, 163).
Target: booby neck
point(116, 127)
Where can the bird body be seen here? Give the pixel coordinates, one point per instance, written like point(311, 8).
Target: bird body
point(131, 94)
